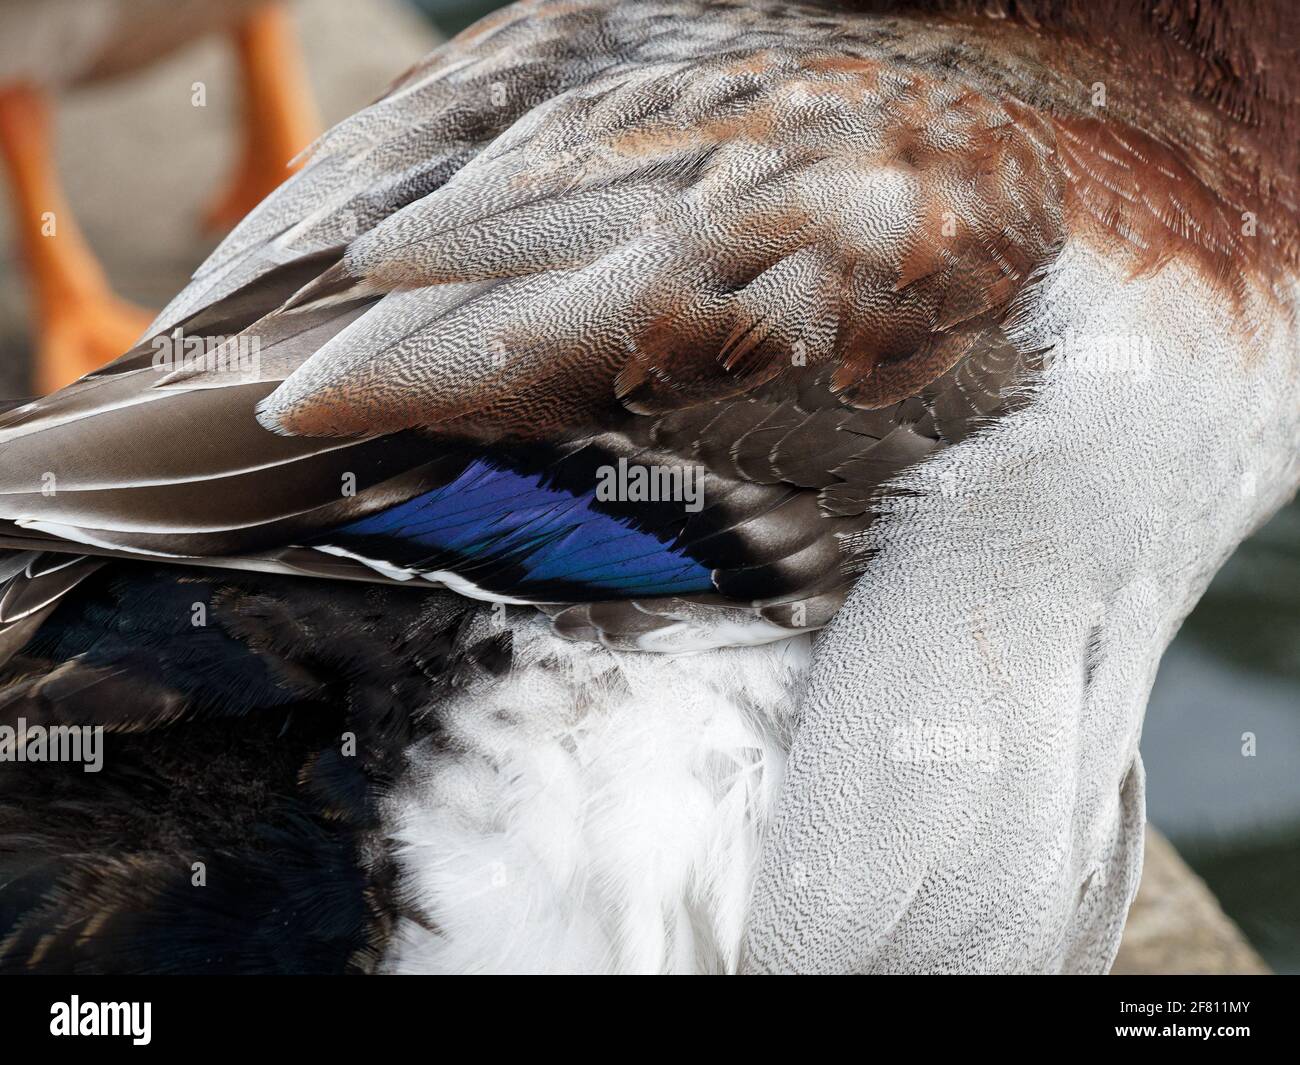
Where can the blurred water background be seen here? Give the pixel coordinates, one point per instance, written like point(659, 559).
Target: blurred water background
point(452, 16)
point(1235, 669)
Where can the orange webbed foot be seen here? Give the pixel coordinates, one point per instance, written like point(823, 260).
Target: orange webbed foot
point(78, 322)
point(82, 336)
point(279, 118)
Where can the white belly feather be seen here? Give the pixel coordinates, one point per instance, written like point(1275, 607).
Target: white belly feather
point(594, 810)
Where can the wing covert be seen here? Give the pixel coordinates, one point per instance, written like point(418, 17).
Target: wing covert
point(784, 263)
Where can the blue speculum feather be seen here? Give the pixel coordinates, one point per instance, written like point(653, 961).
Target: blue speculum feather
point(490, 519)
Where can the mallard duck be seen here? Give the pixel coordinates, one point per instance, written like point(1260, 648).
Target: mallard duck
point(49, 46)
point(672, 486)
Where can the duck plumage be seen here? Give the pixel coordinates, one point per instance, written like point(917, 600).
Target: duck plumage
point(797, 358)
point(798, 251)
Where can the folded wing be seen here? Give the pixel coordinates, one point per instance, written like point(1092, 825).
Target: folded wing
point(745, 286)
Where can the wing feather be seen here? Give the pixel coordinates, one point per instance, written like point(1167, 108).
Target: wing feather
point(569, 242)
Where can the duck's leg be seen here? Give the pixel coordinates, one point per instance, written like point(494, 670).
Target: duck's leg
point(79, 323)
point(279, 118)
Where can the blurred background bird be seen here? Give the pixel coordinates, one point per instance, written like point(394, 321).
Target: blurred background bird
point(52, 47)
